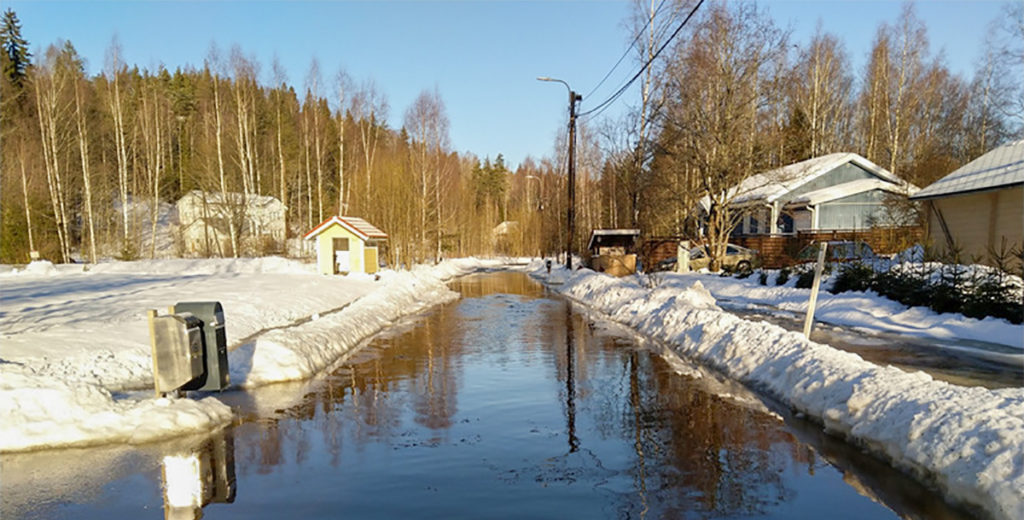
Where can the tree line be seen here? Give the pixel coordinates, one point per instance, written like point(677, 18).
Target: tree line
point(90, 164)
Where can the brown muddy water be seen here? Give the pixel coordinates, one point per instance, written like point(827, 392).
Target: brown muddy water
point(509, 403)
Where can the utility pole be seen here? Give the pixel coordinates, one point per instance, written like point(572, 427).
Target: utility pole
point(571, 212)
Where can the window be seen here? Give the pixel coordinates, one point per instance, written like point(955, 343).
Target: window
point(341, 244)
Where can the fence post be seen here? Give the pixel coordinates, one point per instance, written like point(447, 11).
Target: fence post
point(683, 256)
point(814, 290)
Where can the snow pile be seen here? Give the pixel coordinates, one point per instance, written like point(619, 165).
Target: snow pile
point(301, 351)
point(967, 441)
point(41, 412)
point(75, 364)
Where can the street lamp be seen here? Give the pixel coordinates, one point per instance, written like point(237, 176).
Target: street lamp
point(571, 216)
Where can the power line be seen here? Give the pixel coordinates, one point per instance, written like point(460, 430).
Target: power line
point(628, 49)
point(604, 104)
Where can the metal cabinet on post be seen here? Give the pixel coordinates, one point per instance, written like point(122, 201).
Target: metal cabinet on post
point(215, 343)
point(177, 342)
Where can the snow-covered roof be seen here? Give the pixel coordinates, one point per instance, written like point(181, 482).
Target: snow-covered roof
point(847, 189)
point(625, 233)
point(772, 185)
point(999, 168)
point(356, 225)
point(505, 227)
point(216, 197)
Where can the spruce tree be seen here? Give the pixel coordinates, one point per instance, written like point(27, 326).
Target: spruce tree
point(16, 57)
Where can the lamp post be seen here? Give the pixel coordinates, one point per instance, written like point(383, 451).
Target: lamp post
point(571, 213)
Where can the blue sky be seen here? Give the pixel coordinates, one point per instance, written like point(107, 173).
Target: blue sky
point(483, 56)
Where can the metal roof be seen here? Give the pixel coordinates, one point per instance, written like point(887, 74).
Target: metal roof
point(999, 168)
point(356, 225)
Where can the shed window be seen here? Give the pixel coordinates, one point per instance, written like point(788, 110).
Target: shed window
point(341, 244)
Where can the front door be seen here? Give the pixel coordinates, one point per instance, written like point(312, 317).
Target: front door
point(342, 260)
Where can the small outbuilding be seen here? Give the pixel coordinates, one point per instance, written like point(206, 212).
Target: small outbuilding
point(613, 251)
point(978, 209)
point(346, 245)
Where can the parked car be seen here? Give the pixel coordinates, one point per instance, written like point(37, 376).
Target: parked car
point(838, 251)
point(737, 258)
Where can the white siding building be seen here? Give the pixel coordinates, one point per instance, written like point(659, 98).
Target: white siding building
point(204, 222)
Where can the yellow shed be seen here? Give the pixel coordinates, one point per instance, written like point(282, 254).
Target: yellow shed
point(346, 245)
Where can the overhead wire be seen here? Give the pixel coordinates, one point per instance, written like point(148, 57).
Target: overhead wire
point(604, 104)
point(628, 49)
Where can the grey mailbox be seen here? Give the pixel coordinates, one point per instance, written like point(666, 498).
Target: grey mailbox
point(177, 343)
point(215, 341)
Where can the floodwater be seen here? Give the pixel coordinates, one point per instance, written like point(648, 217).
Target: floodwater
point(510, 403)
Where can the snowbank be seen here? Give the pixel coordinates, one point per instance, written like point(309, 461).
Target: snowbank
point(301, 351)
point(866, 310)
point(967, 441)
point(41, 412)
point(75, 365)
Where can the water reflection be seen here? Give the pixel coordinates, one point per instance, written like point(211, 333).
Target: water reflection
point(178, 477)
point(197, 476)
point(460, 414)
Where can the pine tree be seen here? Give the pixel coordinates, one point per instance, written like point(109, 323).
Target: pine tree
point(16, 57)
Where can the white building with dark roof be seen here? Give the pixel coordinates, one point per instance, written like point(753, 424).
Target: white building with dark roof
point(978, 209)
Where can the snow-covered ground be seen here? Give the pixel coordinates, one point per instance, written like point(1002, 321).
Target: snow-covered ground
point(969, 442)
point(75, 364)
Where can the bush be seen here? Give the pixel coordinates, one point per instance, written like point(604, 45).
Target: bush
point(992, 296)
point(805, 279)
point(783, 276)
point(762, 278)
point(905, 287)
point(854, 276)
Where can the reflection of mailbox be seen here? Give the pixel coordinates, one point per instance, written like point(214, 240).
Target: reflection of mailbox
point(216, 344)
point(198, 475)
point(177, 350)
point(223, 459)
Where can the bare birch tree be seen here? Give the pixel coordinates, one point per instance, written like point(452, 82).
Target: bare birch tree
point(726, 77)
point(115, 71)
point(342, 85)
point(50, 83)
point(80, 86)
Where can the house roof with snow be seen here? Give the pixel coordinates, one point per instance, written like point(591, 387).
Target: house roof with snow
point(216, 197)
point(840, 191)
point(999, 168)
point(357, 226)
point(774, 185)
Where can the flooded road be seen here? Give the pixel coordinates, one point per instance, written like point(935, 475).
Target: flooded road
point(509, 403)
